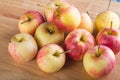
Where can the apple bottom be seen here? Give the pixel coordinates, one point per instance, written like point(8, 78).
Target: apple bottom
point(20, 53)
point(47, 33)
point(101, 70)
point(14, 52)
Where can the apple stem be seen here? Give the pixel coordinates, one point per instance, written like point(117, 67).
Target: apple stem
point(98, 53)
point(44, 17)
point(57, 53)
point(43, 6)
point(109, 5)
point(98, 48)
point(111, 28)
point(88, 13)
point(27, 20)
point(65, 52)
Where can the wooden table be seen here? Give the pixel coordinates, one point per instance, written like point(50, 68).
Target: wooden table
point(11, 10)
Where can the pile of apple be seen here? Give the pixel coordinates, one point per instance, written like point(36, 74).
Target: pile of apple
point(63, 31)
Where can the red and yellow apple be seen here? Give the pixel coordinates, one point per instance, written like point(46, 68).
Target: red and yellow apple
point(51, 58)
point(49, 13)
point(51, 7)
point(67, 17)
point(22, 47)
point(29, 22)
point(78, 41)
point(86, 22)
point(110, 38)
point(99, 61)
point(47, 33)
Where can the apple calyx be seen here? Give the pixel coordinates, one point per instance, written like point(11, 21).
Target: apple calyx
point(18, 39)
point(82, 39)
point(27, 20)
point(50, 31)
point(57, 54)
point(109, 5)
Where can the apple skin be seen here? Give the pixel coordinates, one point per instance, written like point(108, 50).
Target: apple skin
point(49, 14)
point(78, 41)
point(86, 22)
point(47, 61)
point(22, 47)
point(43, 35)
point(49, 11)
point(99, 66)
point(110, 40)
point(104, 19)
point(51, 7)
point(67, 18)
point(35, 19)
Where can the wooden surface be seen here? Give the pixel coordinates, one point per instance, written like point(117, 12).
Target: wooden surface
point(10, 11)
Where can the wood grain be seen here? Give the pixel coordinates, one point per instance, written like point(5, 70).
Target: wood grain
point(11, 10)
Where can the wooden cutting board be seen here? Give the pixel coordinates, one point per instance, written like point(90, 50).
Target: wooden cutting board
point(10, 11)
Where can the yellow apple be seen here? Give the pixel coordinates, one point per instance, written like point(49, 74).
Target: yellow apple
point(22, 47)
point(103, 20)
point(47, 33)
point(86, 22)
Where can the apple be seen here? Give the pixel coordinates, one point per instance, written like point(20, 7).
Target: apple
point(86, 22)
point(29, 21)
point(109, 37)
point(49, 13)
point(51, 7)
point(22, 47)
point(103, 19)
point(47, 33)
point(99, 61)
point(67, 17)
point(78, 41)
point(51, 58)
